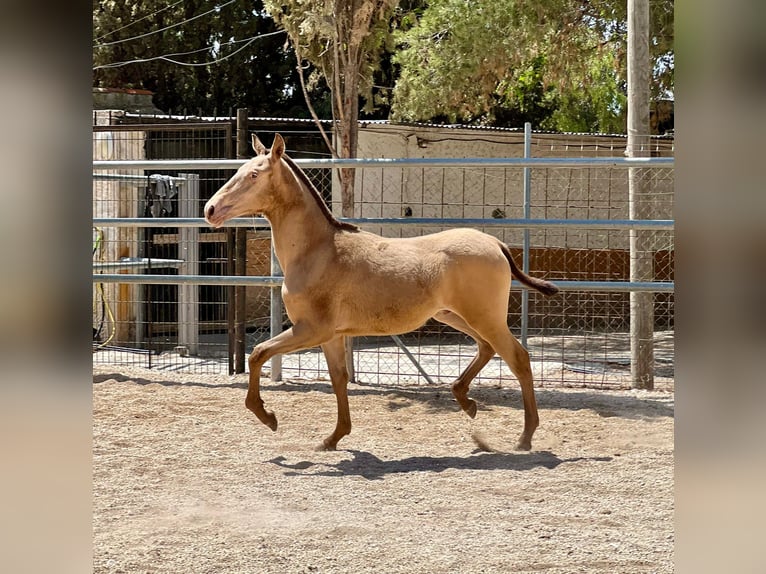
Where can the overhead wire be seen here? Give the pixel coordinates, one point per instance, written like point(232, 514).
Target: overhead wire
point(129, 24)
point(166, 57)
point(214, 9)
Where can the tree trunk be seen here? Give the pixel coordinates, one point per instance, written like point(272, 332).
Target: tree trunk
point(349, 134)
point(349, 127)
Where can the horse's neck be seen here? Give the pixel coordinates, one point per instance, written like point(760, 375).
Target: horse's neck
point(299, 225)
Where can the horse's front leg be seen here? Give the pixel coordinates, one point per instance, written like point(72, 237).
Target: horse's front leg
point(335, 353)
point(293, 339)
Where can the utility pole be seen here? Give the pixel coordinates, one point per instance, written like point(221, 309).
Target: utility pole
point(641, 254)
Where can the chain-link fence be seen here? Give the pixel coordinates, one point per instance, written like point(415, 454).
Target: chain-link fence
point(578, 337)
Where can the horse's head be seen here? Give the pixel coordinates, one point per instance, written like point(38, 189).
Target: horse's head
point(250, 190)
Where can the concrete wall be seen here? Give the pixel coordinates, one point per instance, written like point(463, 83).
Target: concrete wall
point(558, 193)
point(589, 193)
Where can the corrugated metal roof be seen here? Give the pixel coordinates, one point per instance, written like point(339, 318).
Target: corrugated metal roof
point(365, 123)
point(194, 118)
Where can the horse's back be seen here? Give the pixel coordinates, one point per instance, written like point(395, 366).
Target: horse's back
point(396, 284)
point(459, 242)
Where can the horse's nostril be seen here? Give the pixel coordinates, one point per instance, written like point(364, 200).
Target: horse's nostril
point(209, 211)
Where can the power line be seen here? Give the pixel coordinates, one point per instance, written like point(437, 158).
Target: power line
point(166, 27)
point(166, 57)
point(141, 60)
point(129, 24)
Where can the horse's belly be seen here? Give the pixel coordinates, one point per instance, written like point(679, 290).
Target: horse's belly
point(384, 318)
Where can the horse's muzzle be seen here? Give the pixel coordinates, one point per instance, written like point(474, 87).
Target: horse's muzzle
point(212, 216)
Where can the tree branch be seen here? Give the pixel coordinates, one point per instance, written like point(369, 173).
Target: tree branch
point(310, 106)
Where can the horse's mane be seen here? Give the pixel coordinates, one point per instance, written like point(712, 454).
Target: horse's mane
point(299, 173)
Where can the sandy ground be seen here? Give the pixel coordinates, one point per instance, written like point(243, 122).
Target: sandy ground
point(186, 480)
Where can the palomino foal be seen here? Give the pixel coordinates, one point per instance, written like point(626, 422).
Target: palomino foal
point(342, 282)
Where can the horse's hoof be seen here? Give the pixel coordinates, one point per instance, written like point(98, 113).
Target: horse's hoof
point(269, 419)
point(524, 445)
point(471, 408)
point(325, 446)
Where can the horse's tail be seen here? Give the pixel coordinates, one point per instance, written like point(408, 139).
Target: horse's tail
point(541, 285)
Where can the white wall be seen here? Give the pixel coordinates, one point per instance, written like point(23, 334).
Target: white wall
point(477, 192)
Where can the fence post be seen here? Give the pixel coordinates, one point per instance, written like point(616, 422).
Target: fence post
point(188, 250)
point(241, 257)
point(641, 255)
point(231, 298)
point(276, 316)
point(527, 215)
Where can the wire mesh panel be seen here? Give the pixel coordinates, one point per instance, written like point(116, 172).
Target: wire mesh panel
point(149, 324)
point(577, 337)
point(186, 327)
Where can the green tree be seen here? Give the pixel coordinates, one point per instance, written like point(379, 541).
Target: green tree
point(560, 64)
point(233, 56)
point(344, 40)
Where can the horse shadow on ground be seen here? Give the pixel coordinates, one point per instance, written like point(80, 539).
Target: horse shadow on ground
point(120, 378)
point(370, 467)
point(438, 398)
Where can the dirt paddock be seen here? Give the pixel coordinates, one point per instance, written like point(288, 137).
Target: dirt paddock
point(186, 480)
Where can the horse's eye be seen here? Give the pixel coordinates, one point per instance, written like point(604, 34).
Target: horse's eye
point(254, 174)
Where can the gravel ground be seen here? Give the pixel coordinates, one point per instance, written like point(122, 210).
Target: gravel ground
point(186, 480)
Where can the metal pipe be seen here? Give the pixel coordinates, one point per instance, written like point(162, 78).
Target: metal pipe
point(240, 297)
point(412, 358)
point(273, 281)
point(525, 241)
point(262, 223)
point(231, 300)
point(240, 265)
point(137, 263)
point(126, 177)
point(275, 326)
point(230, 280)
point(307, 163)
point(615, 286)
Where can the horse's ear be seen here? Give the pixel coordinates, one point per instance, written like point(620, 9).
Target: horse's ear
point(278, 147)
point(259, 148)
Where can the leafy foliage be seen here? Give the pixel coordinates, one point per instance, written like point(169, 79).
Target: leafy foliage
point(560, 64)
point(344, 40)
point(261, 76)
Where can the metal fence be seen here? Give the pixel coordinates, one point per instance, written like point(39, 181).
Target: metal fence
point(164, 282)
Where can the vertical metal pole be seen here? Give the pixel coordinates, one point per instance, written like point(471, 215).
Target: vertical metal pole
point(241, 257)
point(149, 319)
point(350, 359)
point(230, 297)
point(527, 215)
point(188, 250)
point(641, 254)
point(276, 316)
point(241, 298)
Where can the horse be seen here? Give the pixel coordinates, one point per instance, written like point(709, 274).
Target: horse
point(340, 281)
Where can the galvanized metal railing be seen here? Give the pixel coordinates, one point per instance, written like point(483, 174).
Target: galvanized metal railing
point(276, 280)
point(531, 162)
point(526, 223)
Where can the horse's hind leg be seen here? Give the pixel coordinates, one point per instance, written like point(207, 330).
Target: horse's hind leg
point(517, 358)
point(335, 353)
point(484, 354)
